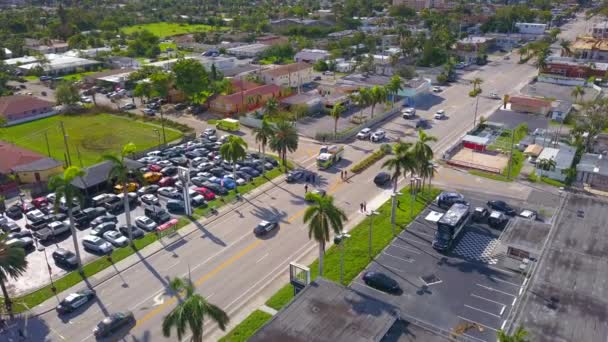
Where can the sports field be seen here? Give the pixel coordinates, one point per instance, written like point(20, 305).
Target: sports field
point(164, 29)
point(89, 136)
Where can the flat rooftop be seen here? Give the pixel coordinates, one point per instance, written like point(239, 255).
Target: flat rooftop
point(567, 299)
point(326, 311)
point(527, 234)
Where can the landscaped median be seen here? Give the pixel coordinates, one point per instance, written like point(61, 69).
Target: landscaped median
point(371, 159)
point(356, 256)
point(24, 303)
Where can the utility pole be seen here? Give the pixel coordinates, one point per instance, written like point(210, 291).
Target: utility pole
point(46, 138)
point(511, 154)
point(476, 105)
point(65, 142)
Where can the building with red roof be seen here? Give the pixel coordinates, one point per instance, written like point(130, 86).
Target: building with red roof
point(246, 100)
point(532, 105)
point(21, 108)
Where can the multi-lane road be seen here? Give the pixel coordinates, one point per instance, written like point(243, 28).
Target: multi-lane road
point(228, 264)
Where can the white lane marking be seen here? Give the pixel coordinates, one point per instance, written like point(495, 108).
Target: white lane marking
point(394, 268)
point(502, 310)
point(489, 300)
point(502, 327)
point(260, 259)
point(211, 295)
point(398, 258)
point(478, 309)
point(159, 299)
point(472, 321)
point(405, 248)
point(58, 334)
point(474, 338)
point(146, 299)
point(514, 300)
point(421, 233)
point(504, 281)
point(495, 290)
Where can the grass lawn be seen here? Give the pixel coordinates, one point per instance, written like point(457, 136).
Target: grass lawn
point(490, 175)
point(356, 250)
point(89, 136)
point(248, 327)
point(164, 29)
point(164, 46)
point(78, 76)
point(552, 182)
point(31, 78)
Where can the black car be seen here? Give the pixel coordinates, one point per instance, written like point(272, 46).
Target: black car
point(157, 214)
point(447, 199)
point(295, 175)
point(382, 282)
point(423, 124)
point(264, 227)
point(113, 323)
point(169, 171)
point(501, 206)
point(135, 231)
point(75, 300)
point(65, 258)
point(94, 212)
point(480, 214)
point(179, 161)
point(14, 212)
point(180, 106)
point(217, 172)
point(216, 188)
point(175, 206)
point(103, 219)
point(11, 227)
point(382, 179)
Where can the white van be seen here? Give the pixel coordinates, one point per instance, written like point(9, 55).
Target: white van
point(99, 200)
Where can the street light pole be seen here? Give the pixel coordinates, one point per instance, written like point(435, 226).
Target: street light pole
point(394, 209)
point(371, 220)
point(46, 259)
point(158, 135)
point(341, 240)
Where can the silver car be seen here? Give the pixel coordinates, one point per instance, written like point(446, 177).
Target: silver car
point(96, 244)
point(115, 238)
point(145, 223)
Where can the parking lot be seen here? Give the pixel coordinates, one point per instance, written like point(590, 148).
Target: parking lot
point(464, 291)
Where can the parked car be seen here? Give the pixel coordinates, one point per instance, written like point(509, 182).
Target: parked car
point(169, 171)
point(74, 301)
point(10, 227)
point(135, 231)
point(14, 212)
point(96, 244)
point(501, 206)
point(528, 214)
point(24, 242)
point(148, 189)
point(157, 214)
point(440, 114)
point(446, 199)
point(208, 131)
point(175, 206)
point(198, 201)
point(497, 219)
point(65, 258)
point(145, 223)
point(364, 134)
point(115, 238)
point(169, 192)
point(264, 227)
point(104, 219)
point(128, 106)
point(480, 214)
point(150, 199)
point(216, 188)
point(102, 228)
point(378, 135)
point(206, 193)
point(180, 106)
point(149, 111)
point(382, 282)
point(382, 178)
point(408, 113)
point(437, 89)
point(113, 323)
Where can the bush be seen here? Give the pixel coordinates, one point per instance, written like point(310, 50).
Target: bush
point(369, 161)
point(532, 177)
point(386, 148)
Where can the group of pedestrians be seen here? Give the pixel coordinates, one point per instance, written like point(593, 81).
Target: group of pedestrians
point(344, 175)
point(363, 206)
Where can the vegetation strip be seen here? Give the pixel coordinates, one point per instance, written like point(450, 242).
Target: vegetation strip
point(248, 327)
point(370, 160)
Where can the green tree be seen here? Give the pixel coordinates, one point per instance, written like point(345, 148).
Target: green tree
point(66, 191)
point(422, 150)
point(271, 107)
point(476, 82)
point(322, 217)
point(192, 79)
point(191, 312)
point(12, 265)
point(393, 87)
point(285, 139)
point(545, 165)
point(161, 85)
point(263, 136)
point(336, 113)
point(143, 44)
point(67, 93)
point(402, 162)
point(518, 336)
point(378, 95)
point(121, 174)
point(566, 47)
point(233, 150)
point(577, 91)
point(143, 89)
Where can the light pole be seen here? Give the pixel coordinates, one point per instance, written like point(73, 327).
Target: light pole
point(46, 259)
point(394, 209)
point(414, 185)
point(341, 241)
point(158, 135)
point(476, 105)
point(371, 215)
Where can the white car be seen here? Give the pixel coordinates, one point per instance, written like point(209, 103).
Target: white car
point(408, 113)
point(378, 135)
point(35, 215)
point(150, 199)
point(436, 89)
point(440, 115)
point(96, 244)
point(494, 96)
point(364, 133)
point(145, 223)
point(208, 132)
point(115, 238)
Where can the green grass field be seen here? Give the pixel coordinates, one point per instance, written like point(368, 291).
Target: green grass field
point(165, 46)
point(248, 327)
point(164, 29)
point(89, 136)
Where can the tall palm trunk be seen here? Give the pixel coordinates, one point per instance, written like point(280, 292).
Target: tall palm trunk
point(73, 232)
point(394, 205)
point(263, 159)
point(125, 192)
point(8, 303)
point(284, 157)
point(321, 255)
point(236, 189)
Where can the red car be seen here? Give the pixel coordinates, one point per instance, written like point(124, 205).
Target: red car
point(166, 181)
point(154, 168)
point(40, 202)
point(206, 193)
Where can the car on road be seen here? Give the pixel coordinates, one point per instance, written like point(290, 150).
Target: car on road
point(295, 175)
point(113, 323)
point(480, 214)
point(382, 282)
point(149, 111)
point(65, 258)
point(364, 134)
point(378, 135)
point(440, 115)
point(423, 124)
point(437, 89)
point(135, 232)
point(408, 113)
point(128, 106)
point(264, 227)
point(150, 199)
point(446, 199)
point(115, 238)
point(145, 223)
point(501, 206)
point(75, 300)
point(96, 244)
point(208, 131)
point(180, 106)
point(382, 178)
point(494, 96)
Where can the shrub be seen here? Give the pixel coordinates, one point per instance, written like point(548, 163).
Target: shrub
point(369, 161)
point(532, 177)
point(386, 148)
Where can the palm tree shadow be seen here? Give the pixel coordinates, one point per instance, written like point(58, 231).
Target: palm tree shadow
point(207, 233)
point(270, 213)
point(152, 270)
point(99, 303)
point(34, 328)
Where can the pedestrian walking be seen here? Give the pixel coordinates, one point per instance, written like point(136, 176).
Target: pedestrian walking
point(306, 188)
point(345, 174)
point(361, 206)
point(341, 174)
point(364, 206)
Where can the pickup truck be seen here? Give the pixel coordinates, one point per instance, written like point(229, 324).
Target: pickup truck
point(36, 225)
point(81, 219)
point(53, 229)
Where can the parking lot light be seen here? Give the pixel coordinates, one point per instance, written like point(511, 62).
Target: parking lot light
point(46, 259)
point(371, 215)
point(341, 241)
point(394, 209)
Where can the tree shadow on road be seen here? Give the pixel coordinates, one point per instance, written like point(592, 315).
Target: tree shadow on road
point(270, 213)
point(206, 233)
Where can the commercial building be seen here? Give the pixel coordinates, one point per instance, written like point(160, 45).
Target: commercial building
point(248, 51)
point(311, 55)
point(290, 75)
point(243, 101)
point(532, 105)
point(563, 158)
point(17, 109)
point(469, 48)
point(531, 28)
point(61, 65)
point(590, 49)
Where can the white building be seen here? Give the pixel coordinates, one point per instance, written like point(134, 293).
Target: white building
point(563, 157)
point(61, 64)
point(531, 28)
point(8, 53)
point(600, 30)
point(221, 63)
point(20, 60)
point(311, 55)
point(290, 75)
point(248, 51)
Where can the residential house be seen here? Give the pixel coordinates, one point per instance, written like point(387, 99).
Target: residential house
point(248, 51)
point(532, 105)
point(291, 75)
point(313, 102)
point(600, 144)
point(37, 171)
point(287, 22)
point(419, 5)
point(242, 101)
point(311, 55)
point(272, 40)
point(531, 28)
point(592, 171)
point(469, 48)
point(341, 34)
point(590, 49)
point(116, 77)
point(563, 158)
point(97, 177)
point(61, 64)
point(121, 62)
point(54, 46)
point(21, 108)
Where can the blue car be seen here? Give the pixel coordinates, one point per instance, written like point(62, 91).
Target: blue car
point(229, 183)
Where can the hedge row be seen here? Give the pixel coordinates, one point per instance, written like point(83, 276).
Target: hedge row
point(369, 161)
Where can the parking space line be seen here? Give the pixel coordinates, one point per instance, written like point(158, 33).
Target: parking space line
point(502, 310)
point(489, 300)
point(504, 281)
point(260, 259)
point(394, 268)
point(493, 289)
point(478, 309)
point(399, 258)
point(405, 248)
point(472, 321)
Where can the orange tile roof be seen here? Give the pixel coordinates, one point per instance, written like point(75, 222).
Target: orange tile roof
point(237, 98)
point(16, 104)
point(12, 156)
point(529, 101)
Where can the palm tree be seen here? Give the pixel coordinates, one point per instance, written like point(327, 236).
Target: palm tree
point(403, 161)
point(422, 150)
point(271, 107)
point(233, 150)
point(393, 87)
point(120, 172)
point(63, 188)
point(263, 135)
point(541, 58)
point(378, 95)
point(519, 335)
point(577, 92)
point(566, 47)
point(336, 113)
point(285, 139)
point(191, 312)
point(363, 98)
point(545, 165)
point(321, 216)
point(476, 82)
point(523, 51)
point(12, 265)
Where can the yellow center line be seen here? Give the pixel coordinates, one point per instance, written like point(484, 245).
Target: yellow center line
point(200, 281)
point(333, 188)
